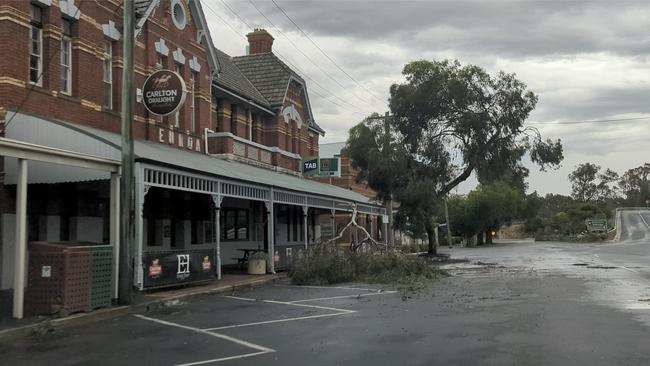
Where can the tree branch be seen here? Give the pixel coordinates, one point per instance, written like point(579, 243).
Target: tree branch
point(456, 181)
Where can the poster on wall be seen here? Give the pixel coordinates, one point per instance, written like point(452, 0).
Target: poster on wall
point(178, 266)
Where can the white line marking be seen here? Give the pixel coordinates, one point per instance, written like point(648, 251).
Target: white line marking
point(344, 297)
point(336, 287)
point(202, 331)
point(241, 298)
point(290, 303)
point(223, 359)
point(645, 222)
point(311, 306)
point(279, 321)
point(629, 269)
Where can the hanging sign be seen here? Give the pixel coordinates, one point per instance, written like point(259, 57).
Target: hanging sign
point(310, 166)
point(330, 167)
point(163, 92)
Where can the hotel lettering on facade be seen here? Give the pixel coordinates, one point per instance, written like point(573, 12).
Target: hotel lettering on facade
point(219, 175)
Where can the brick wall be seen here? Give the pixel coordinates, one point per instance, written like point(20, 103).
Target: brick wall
point(85, 104)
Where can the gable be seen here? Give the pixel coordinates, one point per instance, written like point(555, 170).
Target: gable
point(181, 26)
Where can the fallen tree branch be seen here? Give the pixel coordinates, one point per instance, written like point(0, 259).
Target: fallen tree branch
point(352, 222)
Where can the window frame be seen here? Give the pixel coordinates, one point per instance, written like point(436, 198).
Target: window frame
point(66, 49)
point(176, 116)
point(193, 80)
point(108, 70)
point(36, 27)
point(233, 215)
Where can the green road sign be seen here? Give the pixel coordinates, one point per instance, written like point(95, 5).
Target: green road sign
point(329, 167)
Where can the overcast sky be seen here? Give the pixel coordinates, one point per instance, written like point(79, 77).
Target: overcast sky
point(587, 60)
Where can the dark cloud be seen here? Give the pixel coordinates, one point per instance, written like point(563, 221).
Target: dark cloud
point(506, 28)
point(585, 59)
point(585, 104)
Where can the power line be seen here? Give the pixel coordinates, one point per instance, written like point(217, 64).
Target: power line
point(280, 55)
point(325, 54)
point(303, 53)
point(591, 121)
point(286, 59)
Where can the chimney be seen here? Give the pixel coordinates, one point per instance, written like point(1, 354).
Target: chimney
point(259, 41)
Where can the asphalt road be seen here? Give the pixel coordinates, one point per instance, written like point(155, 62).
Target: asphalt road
point(635, 226)
point(512, 303)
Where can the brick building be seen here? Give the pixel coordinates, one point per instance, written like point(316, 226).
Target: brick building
point(347, 179)
point(220, 175)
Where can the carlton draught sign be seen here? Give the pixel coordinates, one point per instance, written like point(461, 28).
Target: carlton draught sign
point(163, 92)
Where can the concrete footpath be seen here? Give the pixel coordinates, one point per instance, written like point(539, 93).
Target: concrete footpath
point(11, 329)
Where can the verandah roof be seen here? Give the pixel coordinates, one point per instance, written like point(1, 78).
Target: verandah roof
point(106, 144)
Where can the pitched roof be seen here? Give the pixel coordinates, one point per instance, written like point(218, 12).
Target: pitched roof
point(232, 78)
point(271, 77)
point(268, 73)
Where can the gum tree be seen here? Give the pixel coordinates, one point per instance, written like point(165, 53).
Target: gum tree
point(448, 121)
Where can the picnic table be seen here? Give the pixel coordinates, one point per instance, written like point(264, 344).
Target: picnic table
point(246, 253)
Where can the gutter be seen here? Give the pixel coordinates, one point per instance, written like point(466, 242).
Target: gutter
point(244, 100)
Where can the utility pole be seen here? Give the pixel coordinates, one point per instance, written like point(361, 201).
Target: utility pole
point(127, 187)
point(390, 235)
point(448, 226)
point(389, 204)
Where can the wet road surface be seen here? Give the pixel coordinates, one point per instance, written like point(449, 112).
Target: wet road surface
point(511, 303)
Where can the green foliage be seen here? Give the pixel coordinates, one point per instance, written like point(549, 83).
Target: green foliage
point(635, 185)
point(486, 208)
point(563, 218)
point(328, 264)
point(589, 184)
point(413, 248)
point(448, 122)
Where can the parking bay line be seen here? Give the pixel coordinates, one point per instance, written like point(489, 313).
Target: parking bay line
point(261, 349)
point(343, 297)
point(335, 287)
point(245, 355)
point(279, 321)
point(339, 310)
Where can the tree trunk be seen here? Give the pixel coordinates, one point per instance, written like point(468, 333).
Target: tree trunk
point(431, 236)
point(488, 237)
point(479, 239)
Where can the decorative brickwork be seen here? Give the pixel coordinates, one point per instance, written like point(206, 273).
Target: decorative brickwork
point(253, 153)
point(86, 103)
point(239, 149)
point(265, 157)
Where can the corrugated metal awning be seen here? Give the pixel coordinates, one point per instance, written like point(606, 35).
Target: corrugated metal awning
point(106, 144)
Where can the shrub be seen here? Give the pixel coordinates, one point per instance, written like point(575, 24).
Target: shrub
point(414, 248)
point(328, 264)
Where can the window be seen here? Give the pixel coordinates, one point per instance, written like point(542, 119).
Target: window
point(198, 234)
point(297, 223)
point(193, 80)
point(234, 224)
point(178, 14)
point(242, 224)
point(108, 75)
point(66, 58)
point(176, 118)
point(36, 47)
point(233, 119)
point(161, 61)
